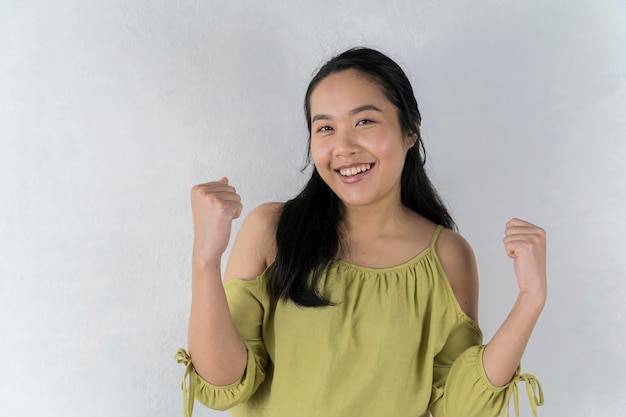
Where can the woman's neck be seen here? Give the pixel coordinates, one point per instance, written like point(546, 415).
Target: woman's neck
point(369, 222)
point(382, 238)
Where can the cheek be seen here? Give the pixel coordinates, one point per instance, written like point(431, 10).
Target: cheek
point(319, 152)
point(393, 153)
point(387, 147)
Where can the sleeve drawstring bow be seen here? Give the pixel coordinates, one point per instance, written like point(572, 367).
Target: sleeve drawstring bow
point(188, 391)
point(533, 390)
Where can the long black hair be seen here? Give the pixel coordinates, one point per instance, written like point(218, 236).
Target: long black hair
point(307, 234)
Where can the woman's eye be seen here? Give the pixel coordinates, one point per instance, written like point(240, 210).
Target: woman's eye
point(364, 122)
point(324, 129)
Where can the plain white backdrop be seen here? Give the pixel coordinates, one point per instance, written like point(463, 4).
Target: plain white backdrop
point(111, 110)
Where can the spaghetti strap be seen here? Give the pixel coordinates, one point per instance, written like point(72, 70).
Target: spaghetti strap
point(435, 236)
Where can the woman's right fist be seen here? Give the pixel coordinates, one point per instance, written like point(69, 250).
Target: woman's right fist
point(214, 205)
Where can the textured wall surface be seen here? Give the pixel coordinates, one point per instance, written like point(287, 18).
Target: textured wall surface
point(111, 110)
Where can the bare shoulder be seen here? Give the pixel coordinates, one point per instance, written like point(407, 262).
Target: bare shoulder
point(459, 263)
point(254, 248)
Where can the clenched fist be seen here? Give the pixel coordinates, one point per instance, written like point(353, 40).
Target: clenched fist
point(214, 206)
point(525, 243)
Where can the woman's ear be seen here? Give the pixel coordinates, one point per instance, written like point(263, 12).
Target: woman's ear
point(411, 139)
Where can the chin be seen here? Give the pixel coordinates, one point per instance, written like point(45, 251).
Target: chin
point(356, 201)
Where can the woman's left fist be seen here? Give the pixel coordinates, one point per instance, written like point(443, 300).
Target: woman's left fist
point(525, 243)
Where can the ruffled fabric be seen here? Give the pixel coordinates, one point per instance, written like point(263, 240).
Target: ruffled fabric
point(194, 387)
point(468, 392)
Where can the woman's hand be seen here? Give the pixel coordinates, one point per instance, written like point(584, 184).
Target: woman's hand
point(214, 206)
point(525, 243)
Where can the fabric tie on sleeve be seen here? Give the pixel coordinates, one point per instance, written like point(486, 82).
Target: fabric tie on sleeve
point(188, 391)
point(533, 390)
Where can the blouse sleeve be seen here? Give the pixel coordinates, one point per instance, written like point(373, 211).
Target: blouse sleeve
point(245, 301)
point(461, 387)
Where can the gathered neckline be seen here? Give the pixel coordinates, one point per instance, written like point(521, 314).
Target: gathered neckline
point(428, 250)
point(424, 252)
point(410, 262)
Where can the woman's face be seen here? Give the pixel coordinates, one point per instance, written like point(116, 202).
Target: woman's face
point(357, 144)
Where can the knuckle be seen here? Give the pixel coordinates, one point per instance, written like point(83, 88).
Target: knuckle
point(212, 199)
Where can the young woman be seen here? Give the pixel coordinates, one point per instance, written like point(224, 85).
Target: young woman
point(357, 297)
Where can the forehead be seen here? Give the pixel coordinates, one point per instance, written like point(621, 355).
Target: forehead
point(346, 89)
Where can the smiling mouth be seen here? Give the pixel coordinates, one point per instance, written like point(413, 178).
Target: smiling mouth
point(348, 172)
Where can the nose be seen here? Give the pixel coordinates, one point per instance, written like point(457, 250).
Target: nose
point(346, 143)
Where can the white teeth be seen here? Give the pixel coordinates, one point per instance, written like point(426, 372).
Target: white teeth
point(347, 172)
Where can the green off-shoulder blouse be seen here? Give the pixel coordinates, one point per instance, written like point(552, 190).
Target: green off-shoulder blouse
point(395, 343)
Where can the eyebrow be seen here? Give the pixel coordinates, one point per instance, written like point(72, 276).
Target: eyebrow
point(352, 112)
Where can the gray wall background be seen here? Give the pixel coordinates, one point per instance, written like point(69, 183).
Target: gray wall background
point(111, 110)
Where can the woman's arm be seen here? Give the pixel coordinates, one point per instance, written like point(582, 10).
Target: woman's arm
point(526, 244)
point(216, 348)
